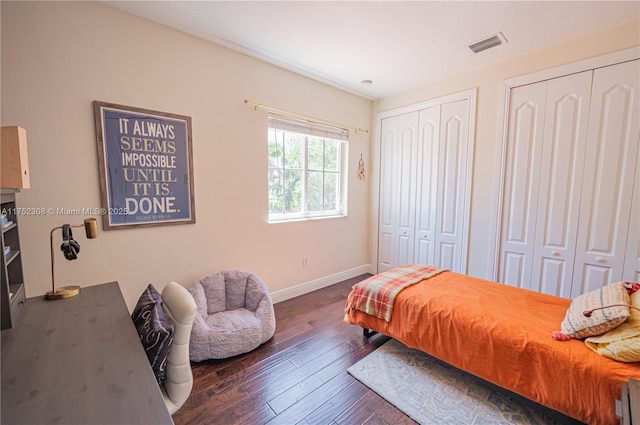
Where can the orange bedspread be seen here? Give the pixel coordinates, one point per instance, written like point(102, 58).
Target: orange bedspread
point(503, 335)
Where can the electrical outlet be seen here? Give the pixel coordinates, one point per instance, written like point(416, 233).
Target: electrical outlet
point(305, 261)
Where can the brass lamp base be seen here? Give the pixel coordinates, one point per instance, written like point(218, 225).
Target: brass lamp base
point(64, 292)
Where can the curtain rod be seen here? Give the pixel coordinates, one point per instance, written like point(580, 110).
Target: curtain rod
point(257, 106)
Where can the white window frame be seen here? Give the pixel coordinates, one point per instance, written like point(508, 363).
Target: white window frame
point(309, 129)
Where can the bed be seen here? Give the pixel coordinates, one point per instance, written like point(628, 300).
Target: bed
point(502, 334)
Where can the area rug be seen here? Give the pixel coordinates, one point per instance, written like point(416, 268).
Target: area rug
point(431, 392)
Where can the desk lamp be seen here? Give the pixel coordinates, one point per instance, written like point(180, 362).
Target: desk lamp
point(71, 248)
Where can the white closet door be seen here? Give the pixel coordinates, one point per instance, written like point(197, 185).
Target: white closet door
point(452, 180)
point(631, 272)
point(406, 186)
point(523, 157)
point(610, 163)
point(388, 171)
point(560, 183)
point(427, 185)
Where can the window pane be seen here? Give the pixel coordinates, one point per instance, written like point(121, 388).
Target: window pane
point(276, 205)
point(314, 191)
point(330, 191)
point(276, 152)
point(292, 191)
point(293, 150)
point(331, 155)
point(316, 153)
point(305, 177)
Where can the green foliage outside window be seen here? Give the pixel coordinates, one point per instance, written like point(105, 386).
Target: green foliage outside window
point(304, 174)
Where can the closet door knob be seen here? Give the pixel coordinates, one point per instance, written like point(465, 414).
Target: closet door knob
point(556, 253)
point(601, 259)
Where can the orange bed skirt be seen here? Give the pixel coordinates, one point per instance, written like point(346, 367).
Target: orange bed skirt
point(503, 334)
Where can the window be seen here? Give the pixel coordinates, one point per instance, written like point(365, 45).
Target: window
point(307, 163)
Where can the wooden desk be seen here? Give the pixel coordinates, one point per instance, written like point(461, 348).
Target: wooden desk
point(78, 361)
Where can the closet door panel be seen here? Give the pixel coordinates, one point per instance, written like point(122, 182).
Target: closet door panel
point(523, 157)
point(406, 186)
point(427, 185)
point(386, 215)
point(560, 183)
point(609, 176)
point(631, 271)
point(452, 166)
point(449, 256)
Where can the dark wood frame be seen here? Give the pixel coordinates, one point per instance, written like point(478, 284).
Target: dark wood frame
point(108, 140)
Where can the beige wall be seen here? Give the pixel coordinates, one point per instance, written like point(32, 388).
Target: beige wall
point(488, 81)
point(58, 57)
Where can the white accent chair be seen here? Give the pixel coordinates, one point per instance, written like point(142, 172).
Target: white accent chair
point(180, 306)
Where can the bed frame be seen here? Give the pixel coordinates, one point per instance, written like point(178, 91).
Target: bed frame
point(502, 335)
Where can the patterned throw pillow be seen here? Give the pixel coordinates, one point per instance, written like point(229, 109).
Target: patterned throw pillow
point(155, 329)
point(576, 325)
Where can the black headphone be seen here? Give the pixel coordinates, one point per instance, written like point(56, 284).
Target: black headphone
point(69, 246)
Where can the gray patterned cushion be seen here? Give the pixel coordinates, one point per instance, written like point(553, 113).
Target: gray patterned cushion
point(155, 329)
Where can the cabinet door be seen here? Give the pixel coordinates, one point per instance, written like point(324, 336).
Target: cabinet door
point(386, 215)
point(427, 185)
point(452, 180)
point(612, 146)
point(560, 183)
point(523, 157)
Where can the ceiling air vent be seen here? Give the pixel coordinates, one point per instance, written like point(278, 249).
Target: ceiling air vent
point(487, 43)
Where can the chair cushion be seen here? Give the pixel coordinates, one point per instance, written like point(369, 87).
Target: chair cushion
point(233, 332)
point(155, 329)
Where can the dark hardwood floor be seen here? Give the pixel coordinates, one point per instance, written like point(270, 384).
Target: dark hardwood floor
point(298, 377)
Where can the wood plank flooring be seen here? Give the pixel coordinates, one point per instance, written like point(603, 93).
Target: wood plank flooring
point(298, 377)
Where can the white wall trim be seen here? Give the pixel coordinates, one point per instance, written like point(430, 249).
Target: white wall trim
point(453, 97)
point(608, 59)
point(305, 288)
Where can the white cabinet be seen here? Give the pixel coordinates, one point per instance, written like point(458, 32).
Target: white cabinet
point(424, 185)
point(572, 149)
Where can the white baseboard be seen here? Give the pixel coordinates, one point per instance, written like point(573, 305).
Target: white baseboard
point(305, 288)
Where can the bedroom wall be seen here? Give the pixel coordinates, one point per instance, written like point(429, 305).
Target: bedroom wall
point(488, 81)
point(58, 57)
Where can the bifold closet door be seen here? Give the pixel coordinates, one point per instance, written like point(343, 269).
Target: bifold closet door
point(610, 173)
point(450, 211)
point(423, 182)
point(399, 162)
point(527, 106)
point(388, 170)
point(543, 179)
point(427, 185)
point(560, 183)
point(631, 271)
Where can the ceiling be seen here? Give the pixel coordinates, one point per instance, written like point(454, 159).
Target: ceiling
point(397, 45)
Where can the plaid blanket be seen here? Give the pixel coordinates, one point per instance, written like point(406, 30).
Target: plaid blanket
point(375, 295)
